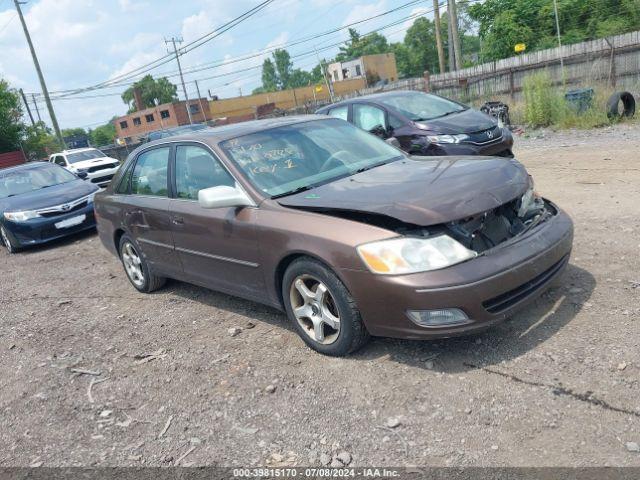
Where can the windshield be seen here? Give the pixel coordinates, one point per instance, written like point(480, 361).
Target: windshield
point(86, 155)
point(25, 180)
point(286, 159)
point(421, 106)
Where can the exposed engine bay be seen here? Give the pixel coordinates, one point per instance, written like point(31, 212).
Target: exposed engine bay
point(489, 229)
point(479, 233)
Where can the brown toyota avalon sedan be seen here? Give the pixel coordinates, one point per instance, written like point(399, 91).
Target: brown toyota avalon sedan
point(347, 234)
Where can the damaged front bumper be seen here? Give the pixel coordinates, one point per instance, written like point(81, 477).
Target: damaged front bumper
point(488, 289)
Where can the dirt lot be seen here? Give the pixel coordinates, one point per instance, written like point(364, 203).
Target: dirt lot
point(556, 385)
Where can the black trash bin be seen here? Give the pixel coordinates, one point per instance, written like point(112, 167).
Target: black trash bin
point(580, 99)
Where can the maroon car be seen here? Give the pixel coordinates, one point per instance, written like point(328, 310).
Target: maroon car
point(347, 234)
point(425, 124)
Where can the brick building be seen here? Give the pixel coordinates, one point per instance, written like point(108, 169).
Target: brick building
point(130, 128)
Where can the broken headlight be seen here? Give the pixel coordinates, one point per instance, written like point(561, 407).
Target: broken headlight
point(530, 203)
point(411, 255)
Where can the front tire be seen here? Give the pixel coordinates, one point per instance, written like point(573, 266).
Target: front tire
point(321, 308)
point(7, 241)
point(136, 268)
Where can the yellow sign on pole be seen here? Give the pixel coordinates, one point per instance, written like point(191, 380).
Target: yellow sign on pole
point(318, 88)
point(520, 47)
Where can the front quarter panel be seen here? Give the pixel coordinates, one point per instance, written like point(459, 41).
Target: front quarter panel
point(283, 232)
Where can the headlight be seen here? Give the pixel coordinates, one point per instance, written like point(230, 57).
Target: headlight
point(20, 216)
point(411, 255)
point(448, 138)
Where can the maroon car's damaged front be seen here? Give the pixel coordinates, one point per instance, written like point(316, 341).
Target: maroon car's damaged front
point(348, 235)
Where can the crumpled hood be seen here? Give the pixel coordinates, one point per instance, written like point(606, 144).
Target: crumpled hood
point(422, 190)
point(467, 121)
point(48, 197)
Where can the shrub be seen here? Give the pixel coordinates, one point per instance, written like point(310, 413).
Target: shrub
point(543, 103)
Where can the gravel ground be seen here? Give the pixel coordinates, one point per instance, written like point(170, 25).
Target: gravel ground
point(94, 373)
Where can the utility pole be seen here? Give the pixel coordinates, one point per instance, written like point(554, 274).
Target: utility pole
point(324, 74)
point(436, 17)
point(204, 117)
point(453, 18)
point(555, 9)
point(450, 52)
point(24, 99)
point(35, 104)
point(43, 85)
point(184, 89)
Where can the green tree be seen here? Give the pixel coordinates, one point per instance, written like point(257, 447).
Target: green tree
point(358, 45)
point(39, 142)
point(503, 23)
point(269, 76)
point(103, 135)
point(283, 64)
point(420, 41)
point(152, 91)
point(72, 132)
point(11, 126)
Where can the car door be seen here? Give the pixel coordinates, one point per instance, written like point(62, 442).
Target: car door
point(217, 247)
point(146, 210)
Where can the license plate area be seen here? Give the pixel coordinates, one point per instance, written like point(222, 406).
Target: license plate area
point(71, 222)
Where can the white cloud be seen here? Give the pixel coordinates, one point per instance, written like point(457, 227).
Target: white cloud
point(130, 6)
point(364, 11)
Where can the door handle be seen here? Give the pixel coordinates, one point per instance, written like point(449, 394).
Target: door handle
point(177, 221)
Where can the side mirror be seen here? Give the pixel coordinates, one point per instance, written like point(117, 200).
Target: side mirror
point(379, 131)
point(82, 175)
point(223, 196)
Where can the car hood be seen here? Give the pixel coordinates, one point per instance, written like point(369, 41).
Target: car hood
point(48, 197)
point(94, 162)
point(467, 121)
point(421, 190)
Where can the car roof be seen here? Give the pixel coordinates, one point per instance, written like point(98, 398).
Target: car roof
point(73, 150)
point(372, 98)
point(215, 135)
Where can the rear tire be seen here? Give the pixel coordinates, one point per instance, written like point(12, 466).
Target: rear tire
point(7, 241)
point(314, 298)
point(136, 267)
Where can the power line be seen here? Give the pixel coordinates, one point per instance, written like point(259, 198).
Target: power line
point(197, 68)
point(7, 24)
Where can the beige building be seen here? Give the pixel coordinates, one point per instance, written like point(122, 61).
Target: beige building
point(372, 68)
point(283, 99)
point(130, 128)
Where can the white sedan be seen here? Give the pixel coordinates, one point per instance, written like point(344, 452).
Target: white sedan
point(98, 167)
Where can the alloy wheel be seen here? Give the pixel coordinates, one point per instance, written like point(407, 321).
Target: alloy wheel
point(315, 309)
point(132, 264)
point(5, 240)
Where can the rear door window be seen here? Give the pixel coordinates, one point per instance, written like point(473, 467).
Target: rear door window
point(150, 175)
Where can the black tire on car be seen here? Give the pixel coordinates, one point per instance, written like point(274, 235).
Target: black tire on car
point(628, 105)
point(144, 281)
point(328, 300)
point(7, 241)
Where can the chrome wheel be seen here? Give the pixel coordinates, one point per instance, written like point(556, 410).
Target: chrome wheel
point(132, 264)
point(315, 309)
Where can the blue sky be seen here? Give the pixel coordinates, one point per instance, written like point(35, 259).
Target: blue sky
point(84, 42)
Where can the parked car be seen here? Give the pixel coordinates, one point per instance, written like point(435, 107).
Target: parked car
point(40, 202)
point(99, 168)
point(347, 234)
point(170, 132)
point(425, 124)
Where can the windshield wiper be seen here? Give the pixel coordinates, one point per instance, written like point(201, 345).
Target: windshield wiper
point(294, 191)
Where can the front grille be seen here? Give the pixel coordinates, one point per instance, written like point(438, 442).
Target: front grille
point(101, 167)
point(78, 206)
point(102, 179)
point(485, 136)
point(506, 300)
